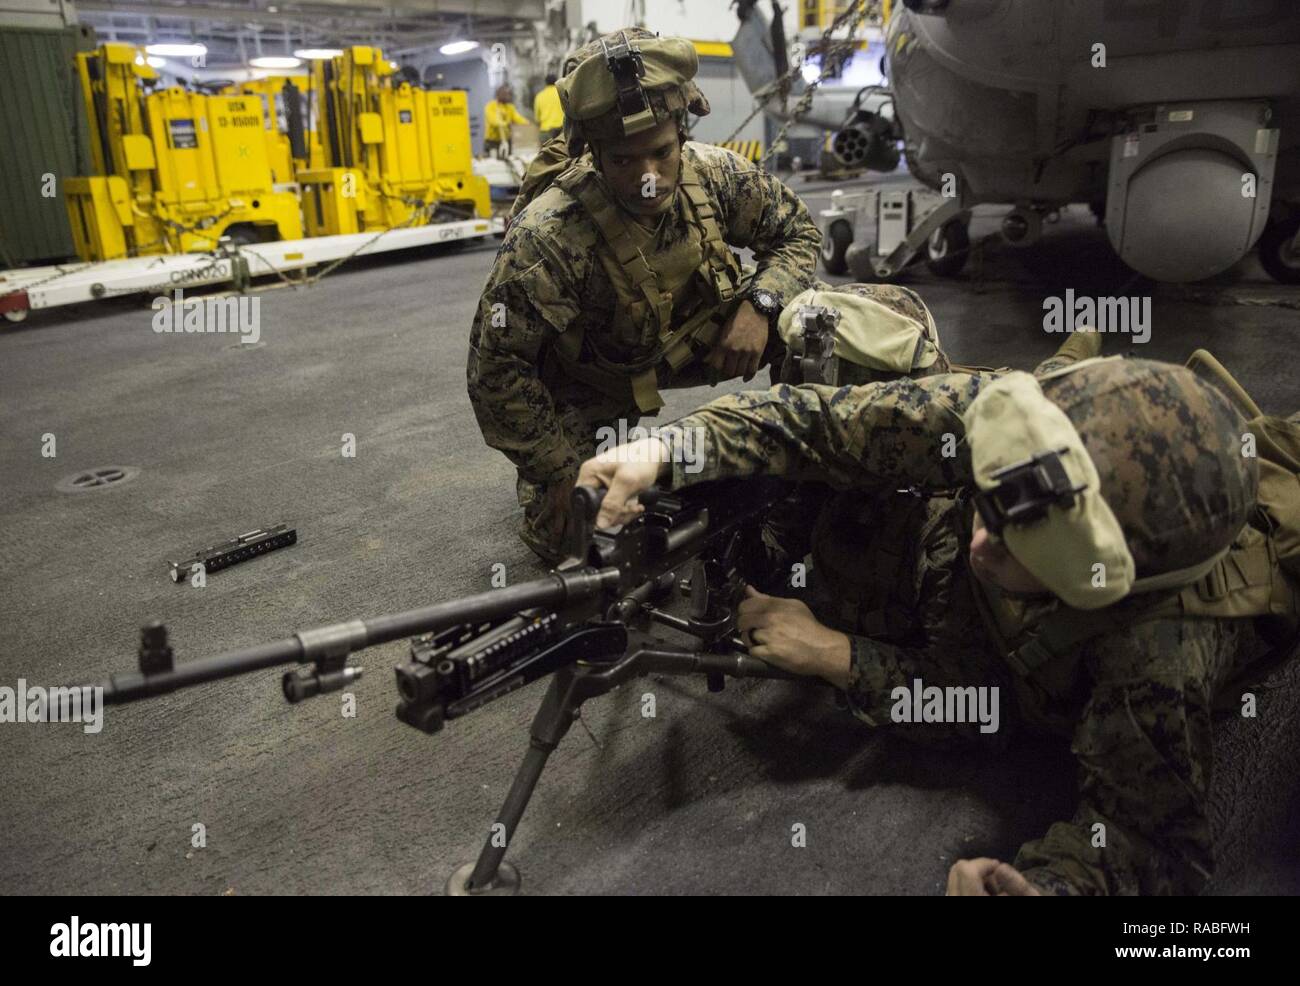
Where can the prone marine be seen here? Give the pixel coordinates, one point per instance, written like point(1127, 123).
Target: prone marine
point(1112, 543)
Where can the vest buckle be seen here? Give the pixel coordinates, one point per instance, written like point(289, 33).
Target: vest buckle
point(1214, 585)
point(722, 284)
point(1029, 657)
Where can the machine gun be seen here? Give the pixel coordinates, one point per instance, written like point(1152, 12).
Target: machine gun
point(586, 625)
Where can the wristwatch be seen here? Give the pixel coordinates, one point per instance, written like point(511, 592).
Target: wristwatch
point(767, 304)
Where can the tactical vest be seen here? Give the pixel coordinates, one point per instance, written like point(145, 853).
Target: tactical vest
point(675, 302)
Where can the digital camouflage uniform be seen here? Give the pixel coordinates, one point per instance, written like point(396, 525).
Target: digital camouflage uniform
point(890, 570)
point(567, 300)
point(548, 281)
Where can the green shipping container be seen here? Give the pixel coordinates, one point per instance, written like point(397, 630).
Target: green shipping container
point(45, 140)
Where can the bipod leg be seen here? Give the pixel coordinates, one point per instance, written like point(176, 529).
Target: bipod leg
point(490, 875)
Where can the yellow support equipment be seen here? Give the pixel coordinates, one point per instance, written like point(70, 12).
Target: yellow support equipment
point(177, 170)
point(392, 152)
point(270, 91)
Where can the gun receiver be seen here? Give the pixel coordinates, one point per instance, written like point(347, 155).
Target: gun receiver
point(463, 667)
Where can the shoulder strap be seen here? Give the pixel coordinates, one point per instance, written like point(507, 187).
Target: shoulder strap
point(718, 258)
point(1246, 583)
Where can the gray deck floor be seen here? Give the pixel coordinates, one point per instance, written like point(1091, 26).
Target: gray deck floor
point(301, 800)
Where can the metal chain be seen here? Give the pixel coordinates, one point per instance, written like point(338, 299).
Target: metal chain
point(852, 15)
point(60, 271)
point(423, 212)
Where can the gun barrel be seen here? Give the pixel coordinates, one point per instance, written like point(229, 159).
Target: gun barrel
point(334, 643)
point(556, 589)
point(132, 685)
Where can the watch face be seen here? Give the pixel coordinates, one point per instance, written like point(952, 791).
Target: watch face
point(765, 300)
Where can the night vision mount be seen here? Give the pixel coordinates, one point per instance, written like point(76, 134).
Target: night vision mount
point(813, 346)
point(1025, 490)
point(626, 65)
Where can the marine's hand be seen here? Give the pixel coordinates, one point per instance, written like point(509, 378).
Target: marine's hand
point(739, 349)
point(784, 633)
point(626, 471)
point(986, 877)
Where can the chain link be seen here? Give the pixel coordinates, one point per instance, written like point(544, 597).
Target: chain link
point(833, 54)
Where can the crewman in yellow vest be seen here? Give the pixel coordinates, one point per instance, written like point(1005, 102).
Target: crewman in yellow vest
point(498, 116)
point(547, 109)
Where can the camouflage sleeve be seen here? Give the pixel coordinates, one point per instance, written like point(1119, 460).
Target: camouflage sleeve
point(904, 432)
point(1144, 751)
point(951, 657)
point(527, 300)
point(758, 211)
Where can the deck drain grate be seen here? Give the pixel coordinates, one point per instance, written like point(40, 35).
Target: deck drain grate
point(100, 478)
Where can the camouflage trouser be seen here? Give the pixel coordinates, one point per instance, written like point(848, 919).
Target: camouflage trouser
point(584, 411)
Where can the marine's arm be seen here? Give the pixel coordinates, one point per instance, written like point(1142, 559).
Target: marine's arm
point(904, 432)
point(527, 300)
point(1144, 751)
point(757, 210)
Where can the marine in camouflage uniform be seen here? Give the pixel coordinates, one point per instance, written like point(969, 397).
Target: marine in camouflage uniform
point(891, 572)
point(567, 340)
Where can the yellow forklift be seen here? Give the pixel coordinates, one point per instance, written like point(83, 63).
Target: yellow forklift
point(275, 107)
point(394, 154)
point(175, 170)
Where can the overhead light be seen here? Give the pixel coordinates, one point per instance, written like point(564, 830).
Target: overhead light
point(458, 47)
point(169, 50)
point(318, 54)
point(275, 61)
point(156, 62)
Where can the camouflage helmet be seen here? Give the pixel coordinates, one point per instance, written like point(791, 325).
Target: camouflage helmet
point(1110, 477)
point(1168, 449)
point(882, 330)
point(625, 82)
